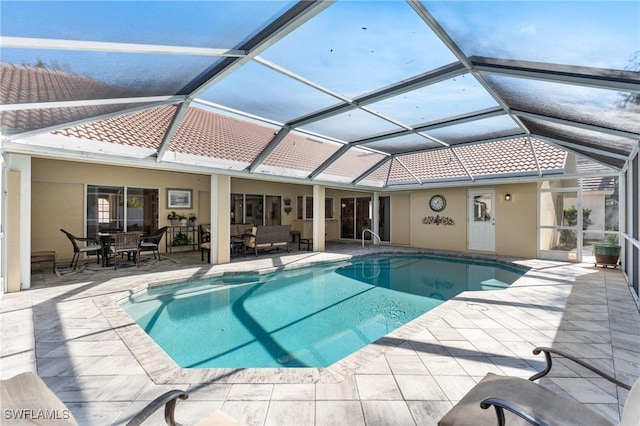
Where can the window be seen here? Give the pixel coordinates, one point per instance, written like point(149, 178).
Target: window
point(108, 212)
point(256, 209)
point(305, 207)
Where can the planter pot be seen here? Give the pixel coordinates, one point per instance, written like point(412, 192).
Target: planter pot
point(183, 222)
point(606, 254)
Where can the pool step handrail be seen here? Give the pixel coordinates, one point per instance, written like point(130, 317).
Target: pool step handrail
point(372, 233)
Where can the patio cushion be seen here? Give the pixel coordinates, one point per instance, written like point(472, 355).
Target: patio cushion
point(26, 399)
point(533, 398)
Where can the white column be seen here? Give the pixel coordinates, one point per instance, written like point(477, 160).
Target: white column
point(318, 218)
point(220, 218)
point(22, 164)
point(375, 218)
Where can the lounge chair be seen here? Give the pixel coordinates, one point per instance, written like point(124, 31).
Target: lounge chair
point(26, 395)
point(92, 246)
point(520, 401)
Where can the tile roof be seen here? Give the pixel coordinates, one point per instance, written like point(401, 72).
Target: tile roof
point(213, 135)
point(21, 84)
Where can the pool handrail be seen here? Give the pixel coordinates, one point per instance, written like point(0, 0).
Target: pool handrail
point(372, 233)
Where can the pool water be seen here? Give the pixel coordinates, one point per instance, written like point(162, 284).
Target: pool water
point(309, 317)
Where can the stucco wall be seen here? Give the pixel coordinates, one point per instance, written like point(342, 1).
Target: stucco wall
point(58, 195)
point(516, 220)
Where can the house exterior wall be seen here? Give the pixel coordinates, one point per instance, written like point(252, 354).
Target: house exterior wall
point(58, 201)
point(516, 220)
point(58, 197)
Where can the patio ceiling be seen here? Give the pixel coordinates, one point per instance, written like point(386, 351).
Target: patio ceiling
point(362, 94)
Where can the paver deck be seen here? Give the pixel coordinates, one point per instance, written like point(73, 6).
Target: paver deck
point(69, 330)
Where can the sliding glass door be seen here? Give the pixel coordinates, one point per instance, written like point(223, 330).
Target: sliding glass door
point(106, 210)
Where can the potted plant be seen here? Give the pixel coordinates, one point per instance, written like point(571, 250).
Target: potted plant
point(172, 218)
point(181, 239)
point(192, 219)
point(608, 251)
point(183, 220)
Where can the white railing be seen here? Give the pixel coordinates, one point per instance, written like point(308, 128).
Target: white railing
point(372, 233)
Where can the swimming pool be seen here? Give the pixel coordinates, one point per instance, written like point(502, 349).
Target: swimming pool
point(308, 317)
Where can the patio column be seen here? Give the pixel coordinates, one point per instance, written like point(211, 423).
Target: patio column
point(220, 218)
point(318, 218)
point(375, 218)
point(18, 223)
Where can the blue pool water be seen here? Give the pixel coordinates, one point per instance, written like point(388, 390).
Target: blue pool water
point(309, 317)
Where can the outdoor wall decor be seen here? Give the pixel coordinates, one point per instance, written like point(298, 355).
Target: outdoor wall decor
point(438, 220)
point(179, 199)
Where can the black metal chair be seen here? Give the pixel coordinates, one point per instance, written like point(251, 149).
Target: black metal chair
point(152, 242)
point(92, 246)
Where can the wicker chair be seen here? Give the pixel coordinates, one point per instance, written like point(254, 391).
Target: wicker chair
point(152, 242)
point(92, 247)
point(204, 235)
point(126, 242)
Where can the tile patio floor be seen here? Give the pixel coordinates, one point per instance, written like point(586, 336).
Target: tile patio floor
point(69, 331)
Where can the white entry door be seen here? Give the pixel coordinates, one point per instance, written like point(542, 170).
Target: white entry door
point(482, 220)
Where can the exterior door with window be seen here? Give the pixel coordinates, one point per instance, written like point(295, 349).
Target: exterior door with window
point(482, 220)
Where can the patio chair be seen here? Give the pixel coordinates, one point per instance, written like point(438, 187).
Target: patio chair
point(204, 235)
point(152, 242)
point(27, 394)
point(126, 243)
point(520, 401)
point(92, 247)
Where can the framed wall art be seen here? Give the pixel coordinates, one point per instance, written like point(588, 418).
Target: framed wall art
point(179, 199)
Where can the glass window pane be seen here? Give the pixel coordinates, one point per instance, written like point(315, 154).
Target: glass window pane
point(328, 208)
point(558, 209)
point(299, 205)
point(482, 208)
point(584, 137)
point(105, 209)
point(308, 207)
point(254, 209)
point(60, 75)
point(600, 107)
point(351, 126)
point(142, 210)
point(221, 24)
point(602, 34)
point(273, 212)
point(488, 128)
point(237, 208)
point(265, 93)
point(403, 143)
point(347, 46)
point(445, 99)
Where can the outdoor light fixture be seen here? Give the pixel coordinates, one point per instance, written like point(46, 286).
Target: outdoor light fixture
point(507, 197)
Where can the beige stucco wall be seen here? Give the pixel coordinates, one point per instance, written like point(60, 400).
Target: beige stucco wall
point(515, 220)
point(58, 195)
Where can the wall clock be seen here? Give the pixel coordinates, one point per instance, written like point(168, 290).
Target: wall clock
point(437, 203)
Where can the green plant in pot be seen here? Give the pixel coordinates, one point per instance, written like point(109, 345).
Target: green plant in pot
point(608, 251)
point(172, 218)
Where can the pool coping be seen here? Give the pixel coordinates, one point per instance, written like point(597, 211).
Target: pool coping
point(161, 369)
